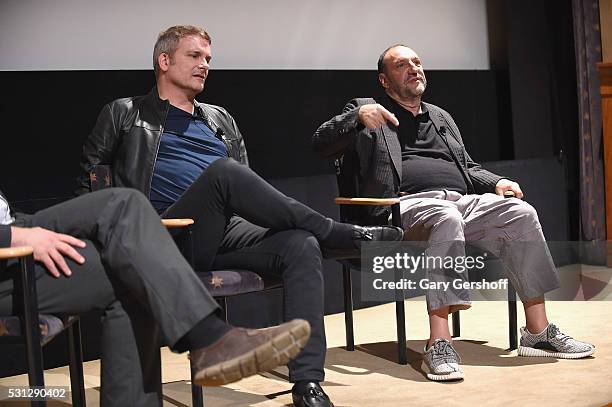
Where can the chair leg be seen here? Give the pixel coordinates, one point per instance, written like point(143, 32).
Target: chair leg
point(400, 314)
point(197, 392)
point(77, 382)
point(456, 324)
point(31, 326)
point(512, 318)
point(348, 307)
point(35, 365)
point(400, 310)
point(222, 301)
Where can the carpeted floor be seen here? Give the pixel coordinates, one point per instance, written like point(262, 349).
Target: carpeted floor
point(370, 376)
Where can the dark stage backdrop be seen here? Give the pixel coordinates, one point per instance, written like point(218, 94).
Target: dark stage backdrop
point(46, 116)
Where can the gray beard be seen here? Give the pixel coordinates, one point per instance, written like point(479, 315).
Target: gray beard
point(408, 93)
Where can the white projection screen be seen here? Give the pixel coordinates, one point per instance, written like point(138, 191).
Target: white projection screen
point(47, 35)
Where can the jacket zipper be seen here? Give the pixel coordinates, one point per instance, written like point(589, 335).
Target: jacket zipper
point(161, 133)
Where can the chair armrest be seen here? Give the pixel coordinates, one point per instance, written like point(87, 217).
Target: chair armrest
point(367, 201)
point(177, 223)
point(15, 252)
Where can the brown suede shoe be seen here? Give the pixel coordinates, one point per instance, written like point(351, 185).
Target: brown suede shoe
point(243, 352)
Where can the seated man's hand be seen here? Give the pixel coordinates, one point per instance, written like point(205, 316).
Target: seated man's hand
point(49, 247)
point(374, 116)
point(504, 185)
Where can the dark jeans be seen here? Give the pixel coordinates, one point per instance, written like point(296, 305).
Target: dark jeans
point(134, 274)
point(271, 234)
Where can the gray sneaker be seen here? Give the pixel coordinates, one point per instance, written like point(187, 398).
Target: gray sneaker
point(553, 343)
point(442, 361)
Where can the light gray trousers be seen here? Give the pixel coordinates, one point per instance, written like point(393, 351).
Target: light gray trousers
point(508, 228)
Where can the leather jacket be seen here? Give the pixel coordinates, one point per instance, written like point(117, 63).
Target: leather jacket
point(127, 135)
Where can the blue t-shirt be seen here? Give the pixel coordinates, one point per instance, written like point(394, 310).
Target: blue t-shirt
point(188, 146)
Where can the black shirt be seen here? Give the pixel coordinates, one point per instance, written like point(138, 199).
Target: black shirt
point(427, 163)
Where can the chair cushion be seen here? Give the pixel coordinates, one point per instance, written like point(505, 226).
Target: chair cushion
point(221, 283)
point(50, 326)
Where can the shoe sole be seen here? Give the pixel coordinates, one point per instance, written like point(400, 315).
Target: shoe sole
point(277, 352)
point(446, 377)
point(533, 352)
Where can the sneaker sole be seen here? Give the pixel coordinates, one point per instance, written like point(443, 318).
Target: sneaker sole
point(446, 377)
point(533, 352)
point(265, 357)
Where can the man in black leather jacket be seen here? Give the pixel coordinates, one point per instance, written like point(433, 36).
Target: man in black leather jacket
point(189, 158)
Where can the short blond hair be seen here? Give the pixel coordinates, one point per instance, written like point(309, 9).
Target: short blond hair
point(167, 40)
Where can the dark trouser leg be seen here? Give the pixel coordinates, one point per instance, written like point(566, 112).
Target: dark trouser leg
point(130, 357)
point(228, 187)
point(129, 351)
point(510, 229)
point(296, 256)
point(137, 252)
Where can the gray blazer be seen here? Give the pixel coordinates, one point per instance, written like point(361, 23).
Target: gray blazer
point(379, 156)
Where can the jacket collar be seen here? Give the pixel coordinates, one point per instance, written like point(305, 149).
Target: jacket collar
point(436, 117)
point(161, 107)
point(158, 105)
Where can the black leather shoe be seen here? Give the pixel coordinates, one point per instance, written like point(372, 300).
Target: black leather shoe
point(376, 233)
point(363, 234)
point(310, 395)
